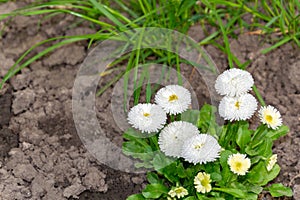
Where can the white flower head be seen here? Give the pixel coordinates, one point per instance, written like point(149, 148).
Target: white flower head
point(271, 162)
point(174, 99)
point(234, 82)
point(178, 192)
point(202, 182)
point(200, 149)
point(147, 117)
point(270, 116)
point(237, 108)
point(173, 136)
point(239, 164)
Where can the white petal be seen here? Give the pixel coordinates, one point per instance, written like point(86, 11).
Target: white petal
point(178, 104)
point(147, 117)
point(201, 148)
point(173, 136)
point(237, 108)
point(234, 82)
point(270, 116)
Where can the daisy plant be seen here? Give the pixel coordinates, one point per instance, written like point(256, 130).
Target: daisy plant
point(190, 156)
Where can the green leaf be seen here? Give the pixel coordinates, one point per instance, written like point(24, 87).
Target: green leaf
point(251, 196)
point(135, 197)
point(203, 197)
point(278, 190)
point(134, 148)
point(154, 191)
point(171, 172)
point(145, 164)
point(265, 149)
point(153, 178)
point(275, 134)
point(254, 188)
point(132, 133)
point(160, 161)
point(232, 191)
point(216, 177)
point(260, 176)
point(224, 157)
point(272, 174)
point(257, 174)
point(243, 136)
point(191, 116)
point(190, 198)
point(226, 173)
point(207, 120)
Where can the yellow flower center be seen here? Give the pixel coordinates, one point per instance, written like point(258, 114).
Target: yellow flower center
point(238, 166)
point(199, 146)
point(237, 105)
point(205, 182)
point(179, 190)
point(146, 114)
point(269, 118)
point(173, 97)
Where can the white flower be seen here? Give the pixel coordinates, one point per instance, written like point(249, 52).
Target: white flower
point(237, 108)
point(272, 161)
point(270, 116)
point(239, 164)
point(147, 117)
point(178, 192)
point(173, 136)
point(201, 148)
point(173, 99)
point(234, 82)
point(202, 182)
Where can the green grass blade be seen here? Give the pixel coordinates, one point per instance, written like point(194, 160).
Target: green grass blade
point(14, 69)
point(278, 44)
point(103, 9)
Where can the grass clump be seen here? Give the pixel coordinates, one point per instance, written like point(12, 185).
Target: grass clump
point(229, 18)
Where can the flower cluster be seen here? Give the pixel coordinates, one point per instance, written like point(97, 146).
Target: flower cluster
point(178, 139)
point(183, 140)
point(149, 118)
point(228, 160)
point(237, 103)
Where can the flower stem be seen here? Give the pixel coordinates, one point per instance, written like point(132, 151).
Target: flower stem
point(259, 97)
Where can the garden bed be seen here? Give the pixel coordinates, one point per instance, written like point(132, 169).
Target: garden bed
point(41, 156)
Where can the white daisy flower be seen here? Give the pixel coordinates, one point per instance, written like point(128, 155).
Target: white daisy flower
point(234, 82)
point(200, 149)
point(239, 164)
point(173, 136)
point(237, 108)
point(178, 192)
point(272, 161)
point(174, 99)
point(147, 117)
point(270, 116)
point(202, 182)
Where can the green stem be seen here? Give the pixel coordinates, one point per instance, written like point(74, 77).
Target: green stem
point(259, 97)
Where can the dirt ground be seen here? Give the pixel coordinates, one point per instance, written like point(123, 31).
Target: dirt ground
point(41, 156)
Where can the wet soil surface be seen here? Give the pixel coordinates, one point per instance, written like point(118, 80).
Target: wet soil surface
point(41, 155)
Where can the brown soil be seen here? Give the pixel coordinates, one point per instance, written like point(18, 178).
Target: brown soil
point(41, 156)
